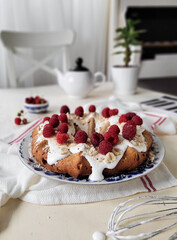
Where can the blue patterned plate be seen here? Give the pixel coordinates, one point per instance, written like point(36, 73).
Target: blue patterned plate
point(145, 168)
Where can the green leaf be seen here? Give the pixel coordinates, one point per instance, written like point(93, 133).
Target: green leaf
point(120, 37)
point(132, 22)
point(119, 52)
point(120, 45)
point(135, 42)
point(119, 29)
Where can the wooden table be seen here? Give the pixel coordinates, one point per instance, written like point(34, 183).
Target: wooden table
point(21, 220)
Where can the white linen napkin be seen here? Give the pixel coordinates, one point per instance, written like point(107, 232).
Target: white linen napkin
point(17, 181)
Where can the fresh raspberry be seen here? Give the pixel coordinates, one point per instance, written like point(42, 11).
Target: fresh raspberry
point(48, 131)
point(46, 119)
point(62, 137)
point(129, 115)
point(96, 138)
point(37, 100)
point(129, 130)
point(137, 120)
point(123, 118)
point(63, 128)
point(63, 117)
point(111, 137)
point(54, 115)
point(114, 129)
point(27, 100)
point(64, 109)
point(105, 112)
point(79, 111)
point(105, 147)
point(92, 108)
point(31, 100)
point(54, 121)
point(81, 137)
point(113, 112)
point(17, 121)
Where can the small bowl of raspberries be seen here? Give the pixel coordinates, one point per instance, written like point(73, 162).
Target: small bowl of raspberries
point(36, 104)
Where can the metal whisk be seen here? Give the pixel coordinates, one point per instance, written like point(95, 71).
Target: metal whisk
point(117, 222)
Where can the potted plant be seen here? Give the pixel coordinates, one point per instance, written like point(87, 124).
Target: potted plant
point(125, 77)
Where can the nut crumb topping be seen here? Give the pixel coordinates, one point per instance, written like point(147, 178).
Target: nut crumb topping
point(137, 140)
point(64, 150)
point(117, 151)
point(92, 152)
point(110, 157)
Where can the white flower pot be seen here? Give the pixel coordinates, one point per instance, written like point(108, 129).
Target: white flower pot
point(125, 79)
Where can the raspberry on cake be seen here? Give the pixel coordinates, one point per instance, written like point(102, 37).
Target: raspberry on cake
point(113, 112)
point(129, 115)
point(63, 128)
point(137, 120)
point(79, 111)
point(123, 118)
point(81, 137)
point(129, 130)
point(78, 148)
point(96, 138)
point(62, 137)
point(111, 137)
point(48, 131)
point(105, 147)
point(105, 112)
point(64, 109)
point(114, 129)
point(54, 121)
point(63, 117)
point(92, 108)
point(46, 119)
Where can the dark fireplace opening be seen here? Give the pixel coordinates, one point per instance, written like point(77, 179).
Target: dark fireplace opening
point(160, 24)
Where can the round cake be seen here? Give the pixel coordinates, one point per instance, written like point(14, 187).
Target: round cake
point(90, 144)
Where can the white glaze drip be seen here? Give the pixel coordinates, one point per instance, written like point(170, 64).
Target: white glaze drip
point(55, 152)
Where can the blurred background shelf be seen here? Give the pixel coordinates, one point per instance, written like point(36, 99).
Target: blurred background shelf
point(164, 84)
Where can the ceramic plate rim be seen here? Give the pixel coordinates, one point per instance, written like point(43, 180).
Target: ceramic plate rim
point(156, 139)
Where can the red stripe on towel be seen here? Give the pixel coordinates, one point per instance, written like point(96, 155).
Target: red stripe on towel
point(145, 185)
point(150, 183)
point(163, 120)
point(152, 115)
point(25, 132)
point(155, 123)
point(156, 116)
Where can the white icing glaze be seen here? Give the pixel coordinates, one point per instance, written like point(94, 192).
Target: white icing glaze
point(98, 236)
point(81, 147)
point(113, 120)
point(55, 151)
point(97, 161)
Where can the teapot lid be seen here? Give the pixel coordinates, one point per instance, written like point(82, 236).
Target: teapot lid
point(79, 67)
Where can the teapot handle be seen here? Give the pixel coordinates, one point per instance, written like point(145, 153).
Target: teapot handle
point(97, 82)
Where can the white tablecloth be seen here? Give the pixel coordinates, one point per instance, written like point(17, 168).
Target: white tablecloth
point(65, 221)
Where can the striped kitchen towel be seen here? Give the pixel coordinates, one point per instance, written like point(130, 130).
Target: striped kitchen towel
point(17, 181)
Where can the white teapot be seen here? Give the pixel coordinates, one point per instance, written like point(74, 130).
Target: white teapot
point(79, 81)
